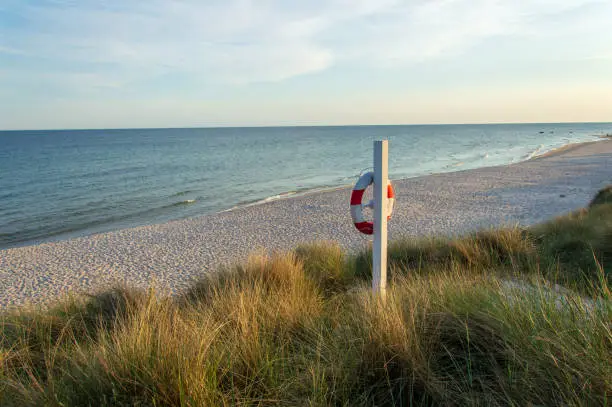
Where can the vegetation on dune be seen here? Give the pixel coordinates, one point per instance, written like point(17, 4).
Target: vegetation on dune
point(574, 250)
point(604, 196)
point(477, 320)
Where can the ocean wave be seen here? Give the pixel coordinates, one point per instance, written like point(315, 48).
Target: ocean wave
point(286, 195)
point(271, 198)
point(454, 165)
point(542, 151)
point(182, 193)
point(534, 153)
point(279, 196)
point(181, 203)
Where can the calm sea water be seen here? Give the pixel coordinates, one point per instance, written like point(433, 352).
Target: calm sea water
point(60, 184)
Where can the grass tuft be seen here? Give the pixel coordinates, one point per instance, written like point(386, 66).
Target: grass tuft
point(604, 196)
point(517, 316)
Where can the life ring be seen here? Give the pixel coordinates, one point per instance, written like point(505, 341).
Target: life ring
point(357, 206)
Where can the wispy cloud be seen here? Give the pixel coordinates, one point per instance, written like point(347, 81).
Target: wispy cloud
point(248, 41)
point(137, 53)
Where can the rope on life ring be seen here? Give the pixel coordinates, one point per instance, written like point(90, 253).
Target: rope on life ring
point(357, 206)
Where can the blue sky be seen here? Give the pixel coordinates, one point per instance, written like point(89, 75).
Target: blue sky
point(108, 63)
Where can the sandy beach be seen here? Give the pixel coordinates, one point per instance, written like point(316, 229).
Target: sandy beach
point(171, 256)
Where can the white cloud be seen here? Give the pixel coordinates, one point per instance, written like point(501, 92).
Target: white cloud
point(242, 41)
point(233, 41)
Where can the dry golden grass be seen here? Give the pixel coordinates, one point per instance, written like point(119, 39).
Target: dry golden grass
point(477, 320)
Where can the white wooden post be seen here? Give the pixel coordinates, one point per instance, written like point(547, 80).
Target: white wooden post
point(379, 249)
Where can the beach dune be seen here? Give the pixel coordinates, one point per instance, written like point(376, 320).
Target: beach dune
point(171, 256)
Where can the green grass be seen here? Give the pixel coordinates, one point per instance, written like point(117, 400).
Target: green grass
point(603, 196)
point(499, 317)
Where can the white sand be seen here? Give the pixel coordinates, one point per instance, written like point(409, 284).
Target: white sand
point(173, 254)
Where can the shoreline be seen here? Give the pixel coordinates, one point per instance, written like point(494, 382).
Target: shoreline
point(297, 194)
point(305, 193)
point(566, 148)
point(171, 255)
point(292, 194)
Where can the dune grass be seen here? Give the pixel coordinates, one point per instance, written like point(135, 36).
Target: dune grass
point(499, 317)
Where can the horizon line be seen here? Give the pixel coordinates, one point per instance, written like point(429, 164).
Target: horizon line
point(301, 125)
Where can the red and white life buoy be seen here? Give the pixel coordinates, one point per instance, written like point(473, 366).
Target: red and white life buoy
point(357, 206)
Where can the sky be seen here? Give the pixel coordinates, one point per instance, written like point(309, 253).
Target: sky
point(191, 63)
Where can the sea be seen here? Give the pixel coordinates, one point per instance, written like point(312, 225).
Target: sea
point(61, 184)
